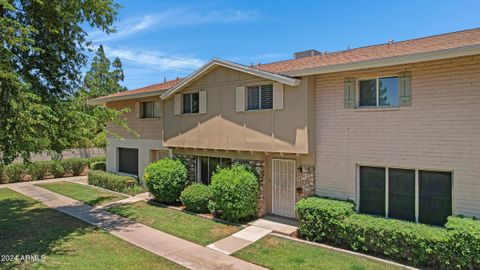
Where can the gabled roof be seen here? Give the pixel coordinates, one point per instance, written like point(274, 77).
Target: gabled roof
point(219, 62)
point(147, 91)
point(455, 44)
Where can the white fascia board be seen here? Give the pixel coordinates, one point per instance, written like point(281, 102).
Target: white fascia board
point(104, 100)
point(389, 61)
point(219, 62)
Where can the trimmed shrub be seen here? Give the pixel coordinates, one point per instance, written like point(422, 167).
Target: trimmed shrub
point(56, 168)
point(196, 198)
point(14, 172)
point(463, 248)
point(455, 247)
point(98, 165)
point(38, 170)
point(234, 193)
point(166, 179)
point(111, 181)
point(97, 159)
point(75, 166)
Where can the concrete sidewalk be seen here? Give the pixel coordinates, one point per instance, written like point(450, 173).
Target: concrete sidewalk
point(239, 240)
point(180, 251)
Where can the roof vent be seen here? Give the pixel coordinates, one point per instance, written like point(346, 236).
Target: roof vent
point(390, 41)
point(306, 53)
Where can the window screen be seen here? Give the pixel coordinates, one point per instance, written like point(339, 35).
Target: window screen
point(401, 194)
point(435, 197)
point(368, 92)
point(260, 97)
point(151, 109)
point(128, 160)
point(253, 97)
point(209, 165)
point(190, 103)
point(266, 96)
point(372, 190)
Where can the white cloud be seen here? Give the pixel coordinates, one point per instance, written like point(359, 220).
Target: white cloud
point(156, 60)
point(178, 17)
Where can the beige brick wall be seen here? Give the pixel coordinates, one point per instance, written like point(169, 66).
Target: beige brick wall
point(146, 128)
point(440, 131)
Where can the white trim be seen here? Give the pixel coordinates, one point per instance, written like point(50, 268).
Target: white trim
point(219, 62)
point(417, 195)
point(389, 61)
point(104, 100)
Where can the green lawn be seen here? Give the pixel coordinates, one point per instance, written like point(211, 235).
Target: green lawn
point(86, 194)
point(29, 227)
point(187, 226)
point(278, 253)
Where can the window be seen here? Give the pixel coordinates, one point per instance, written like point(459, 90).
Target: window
point(435, 197)
point(260, 97)
point(190, 102)
point(128, 160)
point(379, 92)
point(207, 166)
point(372, 190)
point(151, 109)
point(392, 192)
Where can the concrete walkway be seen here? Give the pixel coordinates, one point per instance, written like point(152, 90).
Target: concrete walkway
point(137, 198)
point(239, 240)
point(277, 224)
point(180, 251)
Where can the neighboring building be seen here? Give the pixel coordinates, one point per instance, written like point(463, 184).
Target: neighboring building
point(394, 127)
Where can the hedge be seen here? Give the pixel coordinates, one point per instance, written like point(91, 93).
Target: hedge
point(335, 222)
point(115, 182)
point(98, 165)
point(38, 170)
point(166, 179)
point(234, 193)
point(196, 198)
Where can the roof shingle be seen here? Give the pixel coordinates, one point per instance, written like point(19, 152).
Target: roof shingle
point(412, 46)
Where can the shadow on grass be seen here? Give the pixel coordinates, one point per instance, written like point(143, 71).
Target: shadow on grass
point(98, 200)
point(28, 227)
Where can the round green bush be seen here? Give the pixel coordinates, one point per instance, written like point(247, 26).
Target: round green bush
point(99, 165)
point(166, 179)
point(234, 193)
point(196, 198)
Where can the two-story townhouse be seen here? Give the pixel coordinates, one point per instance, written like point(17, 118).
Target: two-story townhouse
point(394, 127)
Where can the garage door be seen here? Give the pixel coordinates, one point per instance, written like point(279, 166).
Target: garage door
point(128, 160)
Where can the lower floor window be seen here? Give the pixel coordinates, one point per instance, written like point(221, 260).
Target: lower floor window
point(207, 166)
point(413, 195)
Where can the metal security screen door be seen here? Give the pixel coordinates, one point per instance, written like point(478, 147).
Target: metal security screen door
point(283, 187)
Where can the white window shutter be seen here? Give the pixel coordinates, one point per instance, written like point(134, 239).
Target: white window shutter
point(138, 110)
point(177, 104)
point(277, 96)
point(202, 108)
point(240, 99)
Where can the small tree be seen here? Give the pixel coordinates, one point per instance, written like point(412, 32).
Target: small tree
point(166, 179)
point(234, 193)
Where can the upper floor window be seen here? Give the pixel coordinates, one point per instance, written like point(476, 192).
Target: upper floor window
point(190, 102)
point(378, 92)
point(151, 109)
point(260, 97)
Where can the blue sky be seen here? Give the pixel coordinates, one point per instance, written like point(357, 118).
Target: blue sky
point(158, 39)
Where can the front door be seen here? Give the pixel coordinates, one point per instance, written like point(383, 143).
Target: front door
point(283, 187)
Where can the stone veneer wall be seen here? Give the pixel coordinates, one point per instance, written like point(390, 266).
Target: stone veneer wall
point(306, 180)
point(258, 166)
point(190, 162)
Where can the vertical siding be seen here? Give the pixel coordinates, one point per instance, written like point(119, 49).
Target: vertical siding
point(440, 131)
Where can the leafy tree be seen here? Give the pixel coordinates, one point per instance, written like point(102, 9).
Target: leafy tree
point(43, 46)
point(100, 80)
